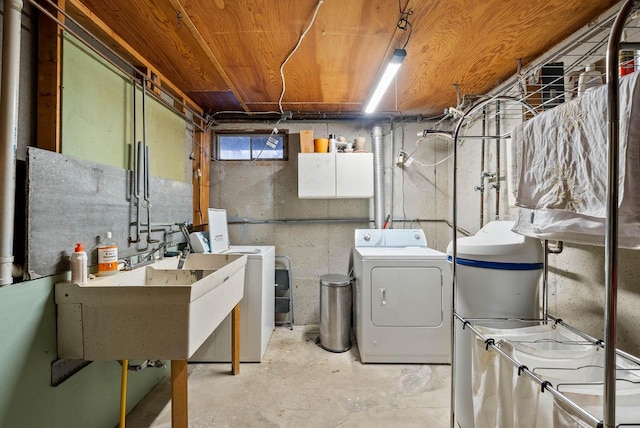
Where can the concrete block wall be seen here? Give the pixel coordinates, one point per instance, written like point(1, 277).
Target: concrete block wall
point(267, 190)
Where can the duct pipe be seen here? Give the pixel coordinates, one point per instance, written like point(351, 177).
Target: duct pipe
point(378, 177)
point(392, 151)
point(9, 132)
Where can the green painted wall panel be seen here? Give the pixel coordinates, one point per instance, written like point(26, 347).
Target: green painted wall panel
point(90, 398)
point(97, 116)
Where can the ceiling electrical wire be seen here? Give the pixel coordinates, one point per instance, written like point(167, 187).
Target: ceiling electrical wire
point(266, 143)
point(409, 36)
point(313, 18)
point(432, 137)
point(435, 164)
point(404, 210)
point(403, 22)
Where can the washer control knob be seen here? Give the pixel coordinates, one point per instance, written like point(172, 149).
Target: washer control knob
point(367, 237)
point(417, 236)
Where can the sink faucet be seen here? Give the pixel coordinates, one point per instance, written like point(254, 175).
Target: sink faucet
point(130, 265)
point(159, 249)
point(183, 257)
point(146, 259)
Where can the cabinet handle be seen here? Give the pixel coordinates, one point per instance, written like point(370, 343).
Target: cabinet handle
point(383, 296)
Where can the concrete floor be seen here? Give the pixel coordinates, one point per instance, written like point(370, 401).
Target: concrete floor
point(298, 384)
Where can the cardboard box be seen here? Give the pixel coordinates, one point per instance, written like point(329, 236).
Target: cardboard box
point(306, 141)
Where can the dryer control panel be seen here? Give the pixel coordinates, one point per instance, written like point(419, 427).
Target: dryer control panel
point(390, 238)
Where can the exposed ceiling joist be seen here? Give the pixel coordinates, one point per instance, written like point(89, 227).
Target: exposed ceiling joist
point(226, 55)
point(107, 35)
point(205, 47)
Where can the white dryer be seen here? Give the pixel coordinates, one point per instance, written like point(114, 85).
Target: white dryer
point(257, 307)
point(402, 298)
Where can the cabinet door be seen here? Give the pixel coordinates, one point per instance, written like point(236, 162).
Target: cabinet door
point(406, 297)
point(354, 175)
point(316, 175)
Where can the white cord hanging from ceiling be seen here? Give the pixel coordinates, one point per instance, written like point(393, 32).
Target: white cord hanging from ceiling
point(313, 18)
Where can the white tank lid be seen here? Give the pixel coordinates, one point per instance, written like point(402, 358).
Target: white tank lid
point(496, 242)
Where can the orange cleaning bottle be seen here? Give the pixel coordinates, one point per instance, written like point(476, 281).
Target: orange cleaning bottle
point(107, 256)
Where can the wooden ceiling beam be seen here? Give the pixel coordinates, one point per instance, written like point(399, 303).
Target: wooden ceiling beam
point(76, 6)
point(207, 50)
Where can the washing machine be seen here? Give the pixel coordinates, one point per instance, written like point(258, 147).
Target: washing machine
point(257, 307)
point(402, 298)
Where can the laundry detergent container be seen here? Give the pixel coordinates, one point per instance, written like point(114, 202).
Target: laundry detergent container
point(497, 276)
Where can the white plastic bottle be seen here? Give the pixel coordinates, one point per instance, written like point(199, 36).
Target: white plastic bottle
point(333, 143)
point(589, 78)
point(79, 265)
point(107, 256)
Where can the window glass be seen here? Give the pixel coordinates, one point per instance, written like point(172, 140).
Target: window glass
point(261, 150)
point(234, 147)
point(250, 146)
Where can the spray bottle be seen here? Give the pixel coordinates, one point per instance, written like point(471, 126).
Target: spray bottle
point(79, 265)
point(107, 256)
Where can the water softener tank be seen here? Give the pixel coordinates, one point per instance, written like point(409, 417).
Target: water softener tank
point(497, 276)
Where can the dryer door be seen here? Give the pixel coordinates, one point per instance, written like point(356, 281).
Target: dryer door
point(406, 296)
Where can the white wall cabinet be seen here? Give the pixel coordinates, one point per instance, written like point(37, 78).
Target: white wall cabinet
point(316, 175)
point(335, 175)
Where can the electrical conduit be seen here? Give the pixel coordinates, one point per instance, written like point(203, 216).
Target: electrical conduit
point(9, 132)
point(498, 142)
point(378, 178)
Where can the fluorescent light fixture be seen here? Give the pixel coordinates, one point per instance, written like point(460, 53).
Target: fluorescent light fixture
point(385, 81)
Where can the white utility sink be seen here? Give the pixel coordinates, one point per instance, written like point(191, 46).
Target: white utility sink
point(153, 312)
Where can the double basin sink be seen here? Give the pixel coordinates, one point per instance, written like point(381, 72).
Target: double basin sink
point(153, 312)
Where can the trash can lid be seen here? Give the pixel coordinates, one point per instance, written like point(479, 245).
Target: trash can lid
point(335, 280)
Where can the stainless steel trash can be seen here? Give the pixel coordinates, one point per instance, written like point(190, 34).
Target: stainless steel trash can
point(335, 312)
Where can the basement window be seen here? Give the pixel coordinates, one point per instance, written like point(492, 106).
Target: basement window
point(250, 145)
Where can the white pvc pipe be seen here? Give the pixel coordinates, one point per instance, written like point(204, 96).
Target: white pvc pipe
point(9, 132)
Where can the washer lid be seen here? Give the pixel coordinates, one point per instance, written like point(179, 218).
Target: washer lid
point(404, 253)
point(218, 230)
point(252, 252)
point(245, 249)
point(496, 242)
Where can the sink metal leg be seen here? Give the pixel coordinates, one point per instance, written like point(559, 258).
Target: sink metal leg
point(235, 340)
point(179, 402)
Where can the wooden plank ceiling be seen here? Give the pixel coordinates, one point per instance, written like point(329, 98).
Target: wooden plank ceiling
point(226, 54)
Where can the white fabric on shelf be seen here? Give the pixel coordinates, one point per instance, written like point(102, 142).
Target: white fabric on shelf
point(559, 169)
point(572, 227)
point(563, 154)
